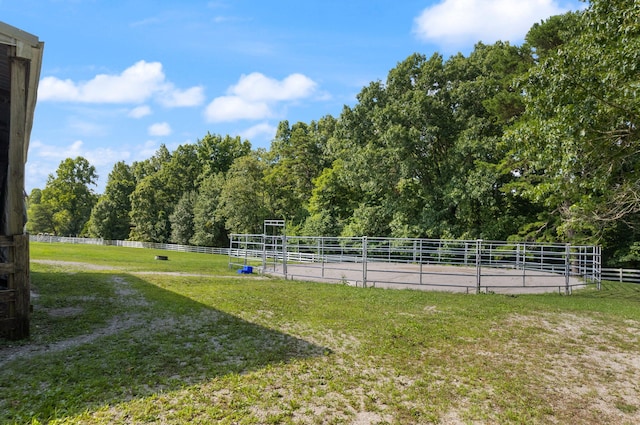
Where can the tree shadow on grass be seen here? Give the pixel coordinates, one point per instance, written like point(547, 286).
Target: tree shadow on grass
point(99, 340)
point(614, 290)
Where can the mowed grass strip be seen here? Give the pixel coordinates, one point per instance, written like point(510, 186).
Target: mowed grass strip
point(123, 345)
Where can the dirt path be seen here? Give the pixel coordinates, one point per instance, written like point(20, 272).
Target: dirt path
point(115, 325)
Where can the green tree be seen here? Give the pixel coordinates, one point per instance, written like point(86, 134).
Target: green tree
point(217, 153)
point(297, 157)
point(149, 216)
point(546, 37)
point(423, 150)
point(243, 198)
point(40, 217)
point(331, 203)
point(486, 102)
point(576, 146)
point(67, 198)
point(110, 216)
point(181, 219)
point(166, 179)
point(208, 222)
point(142, 169)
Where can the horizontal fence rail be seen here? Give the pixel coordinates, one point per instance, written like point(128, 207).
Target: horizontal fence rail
point(621, 275)
point(481, 266)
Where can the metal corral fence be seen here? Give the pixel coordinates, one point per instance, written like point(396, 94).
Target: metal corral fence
point(469, 265)
point(129, 244)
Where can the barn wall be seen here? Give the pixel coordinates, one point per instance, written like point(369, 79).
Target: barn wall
point(20, 62)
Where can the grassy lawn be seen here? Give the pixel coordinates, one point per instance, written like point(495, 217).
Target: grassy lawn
point(118, 337)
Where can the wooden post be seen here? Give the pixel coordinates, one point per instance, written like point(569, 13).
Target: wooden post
point(22, 286)
point(14, 200)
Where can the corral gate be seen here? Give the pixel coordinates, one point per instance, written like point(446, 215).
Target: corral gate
point(274, 249)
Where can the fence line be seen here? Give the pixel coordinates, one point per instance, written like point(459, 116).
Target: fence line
point(327, 257)
point(621, 275)
point(423, 254)
point(129, 244)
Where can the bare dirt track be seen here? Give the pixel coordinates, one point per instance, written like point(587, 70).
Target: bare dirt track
point(431, 277)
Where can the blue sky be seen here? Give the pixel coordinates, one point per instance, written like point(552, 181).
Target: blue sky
point(121, 77)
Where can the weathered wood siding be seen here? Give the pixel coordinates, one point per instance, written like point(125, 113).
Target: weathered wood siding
point(20, 63)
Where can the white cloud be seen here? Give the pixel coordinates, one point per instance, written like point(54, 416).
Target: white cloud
point(44, 160)
point(140, 111)
point(455, 23)
point(160, 129)
point(258, 87)
point(136, 84)
point(173, 98)
point(262, 129)
point(39, 151)
point(233, 108)
point(255, 95)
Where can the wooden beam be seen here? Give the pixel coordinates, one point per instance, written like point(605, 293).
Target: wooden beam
point(14, 203)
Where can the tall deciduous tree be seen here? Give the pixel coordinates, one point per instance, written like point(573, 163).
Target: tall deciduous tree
point(217, 153)
point(149, 216)
point(39, 215)
point(577, 146)
point(110, 216)
point(181, 219)
point(159, 191)
point(423, 149)
point(297, 157)
point(67, 199)
point(243, 199)
point(209, 223)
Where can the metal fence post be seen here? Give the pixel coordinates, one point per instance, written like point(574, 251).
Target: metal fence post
point(246, 248)
point(567, 268)
point(420, 259)
point(364, 261)
point(524, 265)
point(264, 252)
point(284, 255)
point(321, 252)
point(478, 264)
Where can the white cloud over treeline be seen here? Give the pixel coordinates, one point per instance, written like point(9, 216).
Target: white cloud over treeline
point(458, 23)
point(255, 96)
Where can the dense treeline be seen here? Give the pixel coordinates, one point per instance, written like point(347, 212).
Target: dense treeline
point(531, 142)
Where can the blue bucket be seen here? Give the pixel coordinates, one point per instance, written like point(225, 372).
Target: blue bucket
point(245, 270)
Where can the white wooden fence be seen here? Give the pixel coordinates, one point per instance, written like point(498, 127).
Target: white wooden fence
point(129, 244)
point(621, 275)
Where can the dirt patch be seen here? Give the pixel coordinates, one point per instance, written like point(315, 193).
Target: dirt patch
point(116, 325)
point(86, 266)
point(428, 277)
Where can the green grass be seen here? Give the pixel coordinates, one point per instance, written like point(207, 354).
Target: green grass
point(118, 344)
point(132, 259)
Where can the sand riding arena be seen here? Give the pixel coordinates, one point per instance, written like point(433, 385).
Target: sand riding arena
point(472, 266)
